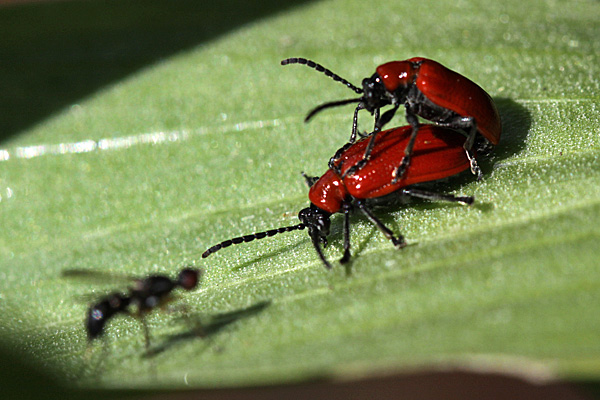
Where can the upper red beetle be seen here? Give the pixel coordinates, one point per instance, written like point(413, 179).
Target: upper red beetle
point(426, 89)
point(438, 153)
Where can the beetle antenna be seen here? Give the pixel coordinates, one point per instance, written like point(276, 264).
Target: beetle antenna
point(249, 238)
point(331, 104)
point(320, 68)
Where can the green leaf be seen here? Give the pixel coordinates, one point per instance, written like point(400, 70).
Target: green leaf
point(147, 167)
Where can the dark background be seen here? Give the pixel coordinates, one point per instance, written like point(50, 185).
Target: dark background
point(53, 53)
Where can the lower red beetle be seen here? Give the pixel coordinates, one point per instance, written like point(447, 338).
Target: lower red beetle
point(438, 153)
point(426, 89)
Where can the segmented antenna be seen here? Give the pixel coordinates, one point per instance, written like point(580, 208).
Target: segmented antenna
point(320, 68)
point(323, 106)
point(249, 238)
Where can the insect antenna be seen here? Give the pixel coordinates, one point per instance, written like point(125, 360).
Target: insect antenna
point(323, 106)
point(320, 68)
point(249, 238)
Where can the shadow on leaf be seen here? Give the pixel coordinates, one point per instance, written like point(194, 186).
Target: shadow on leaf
point(215, 325)
point(57, 53)
point(516, 122)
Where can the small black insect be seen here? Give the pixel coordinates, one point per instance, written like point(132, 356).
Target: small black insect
point(145, 295)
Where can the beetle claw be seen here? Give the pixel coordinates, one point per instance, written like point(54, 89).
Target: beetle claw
point(475, 169)
point(401, 170)
point(399, 242)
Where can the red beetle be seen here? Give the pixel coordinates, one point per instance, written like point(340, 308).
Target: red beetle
point(438, 153)
point(426, 89)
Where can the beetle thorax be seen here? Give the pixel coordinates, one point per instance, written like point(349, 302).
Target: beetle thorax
point(328, 193)
point(396, 78)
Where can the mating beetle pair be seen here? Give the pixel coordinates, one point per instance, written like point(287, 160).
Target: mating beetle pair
point(378, 165)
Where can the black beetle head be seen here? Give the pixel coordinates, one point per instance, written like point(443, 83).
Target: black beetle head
point(318, 222)
point(374, 93)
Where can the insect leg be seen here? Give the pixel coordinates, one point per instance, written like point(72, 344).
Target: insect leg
point(398, 241)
